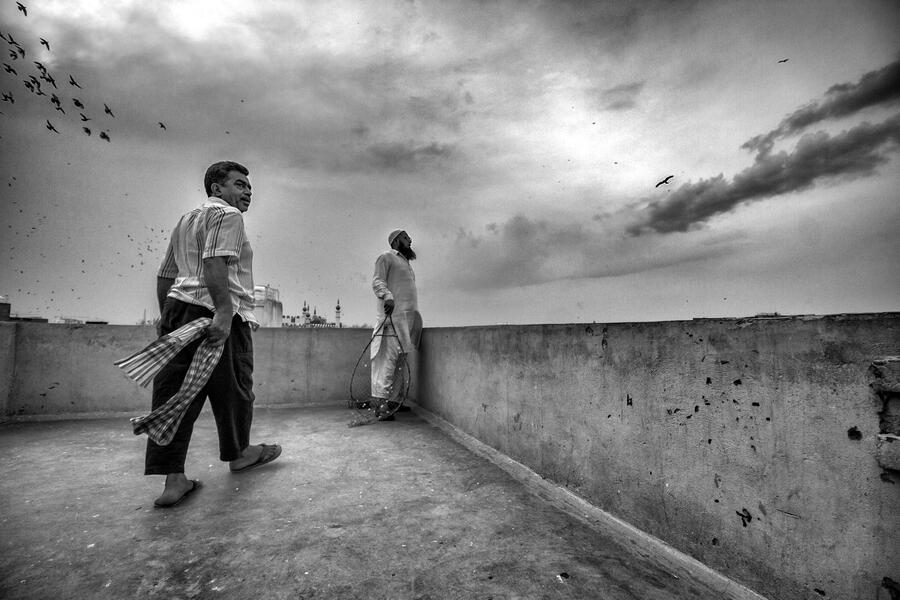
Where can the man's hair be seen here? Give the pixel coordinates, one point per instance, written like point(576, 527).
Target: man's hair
point(218, 173)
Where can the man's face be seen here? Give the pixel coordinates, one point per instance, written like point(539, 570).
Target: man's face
point(235, 191)
point(404, 241)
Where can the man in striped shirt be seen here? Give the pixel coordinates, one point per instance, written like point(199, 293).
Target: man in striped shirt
point(207, 272)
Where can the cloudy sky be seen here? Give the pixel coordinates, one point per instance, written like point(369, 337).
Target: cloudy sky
point(519, 142)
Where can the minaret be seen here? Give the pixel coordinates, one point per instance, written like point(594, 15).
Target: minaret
point(305, 313)
point(337, 314)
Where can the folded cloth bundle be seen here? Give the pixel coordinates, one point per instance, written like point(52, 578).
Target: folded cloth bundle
point(161, 424)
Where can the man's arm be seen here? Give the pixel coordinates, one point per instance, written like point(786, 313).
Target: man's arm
point(163, 285)
point(379, 284)
point(215, 275)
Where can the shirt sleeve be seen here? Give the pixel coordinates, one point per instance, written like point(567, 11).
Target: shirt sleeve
point(169, 268)
point(379, 280)
point(224, 233)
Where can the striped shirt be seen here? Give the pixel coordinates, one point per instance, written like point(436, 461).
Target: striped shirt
point(213, 229)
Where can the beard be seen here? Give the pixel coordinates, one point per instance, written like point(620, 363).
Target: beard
point(407, 252)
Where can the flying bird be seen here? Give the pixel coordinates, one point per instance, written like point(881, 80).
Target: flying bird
point(45, 43)
point(8, 97)
point(162, 125)
point(9, 69)
point(73, 82)
point(40, 66)
point(666, 180)
point(84, 118)
point(51, 127)
point(77, 103)
point(22, 8)
point(104, 136)
point(49, 79)
point(54, 99)
point(107, 111)
point(86, 130)
point(784, 60)
point(61, 109)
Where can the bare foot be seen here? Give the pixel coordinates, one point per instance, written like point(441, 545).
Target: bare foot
point(249, 456)
point(177, 485)
point(255, 456)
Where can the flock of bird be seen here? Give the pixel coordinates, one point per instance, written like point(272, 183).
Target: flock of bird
point(38, 81)
point(27, 77)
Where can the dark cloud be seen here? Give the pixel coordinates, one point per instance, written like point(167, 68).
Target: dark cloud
point(620, 97)
point(523, 251)
point(406, 156)
point(873, 88)
point(853, 153)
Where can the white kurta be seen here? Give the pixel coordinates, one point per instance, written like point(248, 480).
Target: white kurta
point(394, 279)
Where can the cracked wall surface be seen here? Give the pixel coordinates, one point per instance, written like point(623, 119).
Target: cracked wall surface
point(758, 446)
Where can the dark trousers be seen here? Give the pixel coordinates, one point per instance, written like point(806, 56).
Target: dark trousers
point(229, 389)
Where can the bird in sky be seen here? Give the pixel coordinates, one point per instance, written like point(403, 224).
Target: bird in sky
point(104, 136)
point(666, 180)
point(84, 118)
point(22, 8)
point(77, 103)
point(61, 109)
point(784, 60)
point(49, 79)
point(9, 40)
point(73, 82)
point(8, 97)
point(54, 99)
point(45, 43)
point(86, 130)
point(51, 127)
point(108, 111)
point(162, 125)
point(9, 69)
point(40, 67)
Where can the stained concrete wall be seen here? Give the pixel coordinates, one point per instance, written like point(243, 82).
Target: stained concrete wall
point(757, 446)
point(49, 370)
point(748, 444)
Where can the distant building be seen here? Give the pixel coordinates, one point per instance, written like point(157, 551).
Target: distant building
point(267, 306)
point(305, 319)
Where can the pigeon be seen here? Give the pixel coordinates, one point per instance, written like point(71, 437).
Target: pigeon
point(784, 60)
point(73, 82)
point(54, 99)
point(666, 180)
point(22, 8)
point(40, 66)
point(104, 136)
point(45, 43)
point(51, 127)
point(107, 111)
point(77, 103)
point(162, 125)
point(84, 118)
point(86, 130)
point(49, 79)
point(9, 69)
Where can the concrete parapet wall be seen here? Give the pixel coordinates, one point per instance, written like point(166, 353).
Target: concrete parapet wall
point(752, 445)
point(50, 370)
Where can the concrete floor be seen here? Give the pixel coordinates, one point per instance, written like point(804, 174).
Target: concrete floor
point(392, 510)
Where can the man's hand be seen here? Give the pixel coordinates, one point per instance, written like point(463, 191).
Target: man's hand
point(388, 306)
point(217, 331)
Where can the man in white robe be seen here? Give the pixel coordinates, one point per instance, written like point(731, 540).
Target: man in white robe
point(394, 284)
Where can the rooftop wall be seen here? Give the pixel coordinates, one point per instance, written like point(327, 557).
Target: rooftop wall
point(752, 445)
point(53, 370)
point(762, 447)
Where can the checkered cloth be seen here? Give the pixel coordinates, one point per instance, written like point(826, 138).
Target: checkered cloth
point(161, 424)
